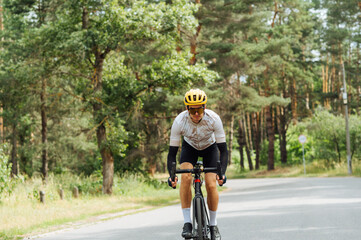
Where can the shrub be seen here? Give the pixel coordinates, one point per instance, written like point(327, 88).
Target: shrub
point(5, 173)
point(294, 147)
point(326, 138)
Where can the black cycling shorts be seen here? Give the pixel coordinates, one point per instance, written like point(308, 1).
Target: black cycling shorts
point(210, 155)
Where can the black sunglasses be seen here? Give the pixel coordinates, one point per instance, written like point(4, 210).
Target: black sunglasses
point(194, 110)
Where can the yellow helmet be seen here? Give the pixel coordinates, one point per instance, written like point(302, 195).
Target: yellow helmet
point(195, 97)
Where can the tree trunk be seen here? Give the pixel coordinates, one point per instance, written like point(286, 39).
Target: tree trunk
point(325, 85)
point(250, 163)
point(85, 18)
point(307, 98)
point(282, 121)
point(339, 79)
point(262, 128)
point(193, 44)
point(107, 156)
point(328, 84)
point(256, 127)
point(294, 101)
point(194, 41)
point(241, 161)
point(100, 118)
point(44, 130)
point(108, 160)
point(334, 82)
point(1, 17)
point(282, 130)
point(271, 137)
point(230, 141)
point(249, 131)
point(241, 143)
point(248, 152)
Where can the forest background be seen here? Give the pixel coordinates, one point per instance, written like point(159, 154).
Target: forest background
point(90, 88)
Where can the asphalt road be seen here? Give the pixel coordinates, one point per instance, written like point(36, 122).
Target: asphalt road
point(252, 209)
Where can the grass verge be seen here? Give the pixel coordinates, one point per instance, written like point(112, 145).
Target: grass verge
point(23, 215)
point(313, 169)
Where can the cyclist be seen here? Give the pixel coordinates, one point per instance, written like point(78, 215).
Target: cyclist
point(203, 134)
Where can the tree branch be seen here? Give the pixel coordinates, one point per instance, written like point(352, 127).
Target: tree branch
point(75, 75)
point(274, 19)
point(104, 119)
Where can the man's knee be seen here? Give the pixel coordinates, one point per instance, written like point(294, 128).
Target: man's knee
point(186, 177)
point(211, 183)
point(211, 187)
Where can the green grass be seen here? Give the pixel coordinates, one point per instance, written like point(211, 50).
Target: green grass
point(22, 214)
point(314, 169)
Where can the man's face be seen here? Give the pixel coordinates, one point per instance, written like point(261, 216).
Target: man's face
point(196, 112)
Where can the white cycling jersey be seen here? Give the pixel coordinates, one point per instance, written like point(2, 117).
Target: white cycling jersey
point(199, 135)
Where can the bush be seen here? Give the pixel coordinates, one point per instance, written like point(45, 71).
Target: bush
point(326, 138)
point(5, 173)
point(294, 147)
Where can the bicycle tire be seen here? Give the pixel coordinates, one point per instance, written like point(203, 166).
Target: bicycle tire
point(199, 218)
point(205, 221)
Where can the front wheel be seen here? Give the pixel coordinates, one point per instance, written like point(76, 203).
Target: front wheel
point(199, 218)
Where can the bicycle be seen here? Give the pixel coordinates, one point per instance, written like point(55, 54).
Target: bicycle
point(201, 230)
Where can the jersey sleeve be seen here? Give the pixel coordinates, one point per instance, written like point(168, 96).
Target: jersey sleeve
point(175, 134)
point(219, 131)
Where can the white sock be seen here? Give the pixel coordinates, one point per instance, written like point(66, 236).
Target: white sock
point(187, 215)
point(212, 218)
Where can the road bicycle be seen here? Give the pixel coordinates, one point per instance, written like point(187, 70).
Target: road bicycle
point(201, 230)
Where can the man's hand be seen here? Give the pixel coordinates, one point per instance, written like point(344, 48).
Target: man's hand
point(173, 184)
point(221, 181)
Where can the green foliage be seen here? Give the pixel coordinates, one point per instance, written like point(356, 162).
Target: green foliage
point(135, 185)
point(328, 131)
point(5, 173)
point(263, 157)
point(117, 136)
point(294, 147)
point(326, 139)
point(241, 58)
point(131, 192)
point(175, 72)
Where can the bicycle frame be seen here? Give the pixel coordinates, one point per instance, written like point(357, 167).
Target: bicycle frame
point(200, 225)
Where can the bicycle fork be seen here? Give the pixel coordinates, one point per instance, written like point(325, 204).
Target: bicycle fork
point(200, 216)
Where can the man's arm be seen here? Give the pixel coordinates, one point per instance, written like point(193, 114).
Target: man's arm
point(171, 157)
point(222, 146)
point(175, 134)
point(223, 157)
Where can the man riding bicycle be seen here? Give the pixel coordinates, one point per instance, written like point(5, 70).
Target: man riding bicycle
point(203, 134)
